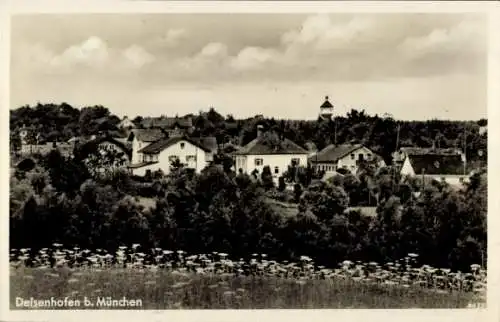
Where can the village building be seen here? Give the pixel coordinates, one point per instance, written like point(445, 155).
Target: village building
point(400, 155)
point(278, 156)
point(173, 126)
point(193, 153)
point(326, 110)
point(140, 138)
point(112, 153)
point(345, 156)
point(439, 167)
point(126, 124)
point(64, 148)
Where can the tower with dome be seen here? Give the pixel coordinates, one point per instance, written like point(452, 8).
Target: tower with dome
point(326, 110)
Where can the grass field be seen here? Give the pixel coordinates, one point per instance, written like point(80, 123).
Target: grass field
point(177, 281)
point(168, 290)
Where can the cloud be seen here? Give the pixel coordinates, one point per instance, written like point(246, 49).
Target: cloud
point(138, 56)
point(466, 36)
point(173, 36)
point(251, 58)
point(92, 53)
point(322, 48)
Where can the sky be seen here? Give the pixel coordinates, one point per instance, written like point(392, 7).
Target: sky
point(411, 66)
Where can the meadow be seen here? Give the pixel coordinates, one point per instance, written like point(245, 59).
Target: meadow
point(165, 279)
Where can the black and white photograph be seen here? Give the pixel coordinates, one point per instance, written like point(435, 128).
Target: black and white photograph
point(248, 161)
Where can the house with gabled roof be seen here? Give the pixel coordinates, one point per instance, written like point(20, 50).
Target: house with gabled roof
point(400, 155)
point(140, 138)
point(116, 152)
point(278, 153)
point(171, 125)
point(126, 124)
point(440, 167)
point(344, 156)
point(193, 153)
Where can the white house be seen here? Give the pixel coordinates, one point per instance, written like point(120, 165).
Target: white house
point(450, 168)
point(192, 153)
point(126, 123)
point(278, 156)
point(141, 138)
point(346, 156)
point(111, 153)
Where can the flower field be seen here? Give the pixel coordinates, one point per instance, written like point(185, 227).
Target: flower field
point(164, 279)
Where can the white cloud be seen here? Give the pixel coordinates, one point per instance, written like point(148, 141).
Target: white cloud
point(138, 56)
point(214, 50)
point(464, 37)
point(253, 58)
point(173, 36)
point(93, 52)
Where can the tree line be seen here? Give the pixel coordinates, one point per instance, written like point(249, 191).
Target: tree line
point(382, 134)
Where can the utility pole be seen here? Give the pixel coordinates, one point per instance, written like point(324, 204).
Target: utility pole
point(465, 150)
point(335, 131)
point(393, 166)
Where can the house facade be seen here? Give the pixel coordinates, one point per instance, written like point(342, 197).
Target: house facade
point(126, 123)
point(260, 153)
point(159, 155)
point(112, 154)
point(439, 167)
point(140, 138)
point(345, 156)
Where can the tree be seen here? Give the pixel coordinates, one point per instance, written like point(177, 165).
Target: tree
point(324, 200)
point(297, 192)
point(281, 184)
point(267, 178)
point(15, 142)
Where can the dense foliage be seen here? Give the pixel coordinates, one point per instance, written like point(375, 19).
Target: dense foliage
point(63, 200)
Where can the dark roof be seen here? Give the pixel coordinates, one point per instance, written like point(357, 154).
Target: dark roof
point(122, 145)
point(167, 122)
point(158, 146)
point(209, 142)
point(419, 151)
point(260, 146)
point(326, 104)
point(333, 153)
point(436, 164)
point(149, 135)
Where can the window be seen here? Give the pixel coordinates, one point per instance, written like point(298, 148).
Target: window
point(276, 170)
point(259, 162)
point(182, 145)
point(295, 161)
point(368, 156)
point(352, 156)
point(190, 158)
point(173, 158)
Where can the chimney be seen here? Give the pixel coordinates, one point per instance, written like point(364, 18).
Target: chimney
point(260, 130)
